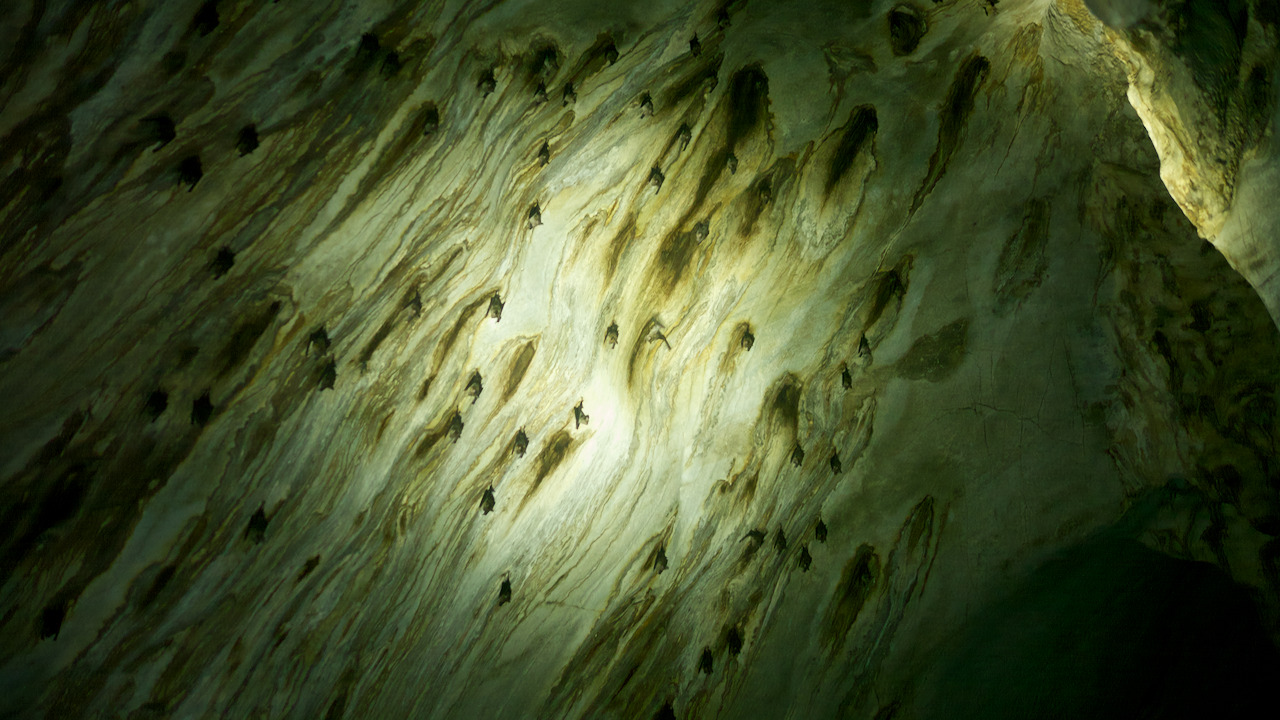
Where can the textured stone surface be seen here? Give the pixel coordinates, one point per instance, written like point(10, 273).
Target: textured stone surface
point(1202, 77)
point(531, 360)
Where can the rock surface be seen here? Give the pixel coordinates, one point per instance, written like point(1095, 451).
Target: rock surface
point(346, 376)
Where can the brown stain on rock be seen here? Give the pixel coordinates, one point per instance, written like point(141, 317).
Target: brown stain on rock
point(1022, 263)
point(644, 340)
point(519, 367)
point(697, 77)
point(857, 133)
point(784, 401)
point(405, 310)
point(434, 433)
point(952, 120)
point(549, 458)
point(858, 581)
point(748, 102)
point(451, 336)
point(244, 337)
point(674, 256)
point(764, 192)
point(935, 356)
point(621, 241)
point(890, 285)
point(920, 523)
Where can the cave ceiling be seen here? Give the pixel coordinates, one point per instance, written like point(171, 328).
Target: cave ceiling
point(579, 359)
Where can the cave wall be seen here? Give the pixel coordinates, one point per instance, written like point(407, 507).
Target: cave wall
point(554, 360)
point(1202, 78)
